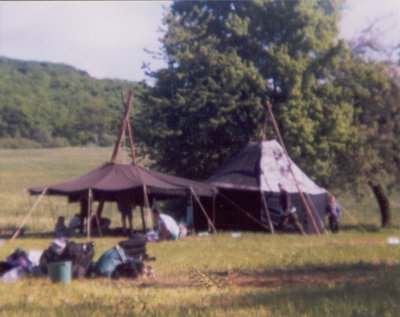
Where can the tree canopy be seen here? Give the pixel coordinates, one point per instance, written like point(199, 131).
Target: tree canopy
point(225, 60)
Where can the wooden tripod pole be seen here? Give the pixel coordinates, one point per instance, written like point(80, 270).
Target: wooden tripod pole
point(124, 122)
point(128, 123)
point(303, 200)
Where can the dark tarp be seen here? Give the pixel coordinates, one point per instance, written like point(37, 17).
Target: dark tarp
point(259, 168)
point(111, 180)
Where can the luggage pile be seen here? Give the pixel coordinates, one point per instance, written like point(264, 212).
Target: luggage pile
point(124, 260)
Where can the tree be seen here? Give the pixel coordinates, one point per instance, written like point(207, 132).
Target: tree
point(373, 158)
point(53, 103)
point(225, 60)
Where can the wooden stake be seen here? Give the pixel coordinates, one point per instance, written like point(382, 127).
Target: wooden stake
point(306, 206)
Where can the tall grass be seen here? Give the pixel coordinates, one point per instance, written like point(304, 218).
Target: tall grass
point(352, 273)
point(22, 169)
point(349, 274)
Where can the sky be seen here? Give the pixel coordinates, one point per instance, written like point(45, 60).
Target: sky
point(109, 39)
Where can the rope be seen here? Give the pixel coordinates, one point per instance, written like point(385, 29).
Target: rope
point(278, 134)
point(355, 220)
point(314, 210)
point(245, 212)
point(202, 209)
point(17, 232)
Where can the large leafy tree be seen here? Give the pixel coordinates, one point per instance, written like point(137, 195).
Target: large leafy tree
point(225, 60)
point(373, 158)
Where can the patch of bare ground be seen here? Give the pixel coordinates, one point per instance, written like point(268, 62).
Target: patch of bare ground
point(265, 280)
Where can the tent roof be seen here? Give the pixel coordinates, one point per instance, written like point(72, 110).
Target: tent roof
point(262, 165)
point(112, 178)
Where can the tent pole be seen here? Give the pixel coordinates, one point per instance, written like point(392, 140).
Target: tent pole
point(213, 207)
point(131, 143)
point(264, 201)
point(210, 223)
point(89, 212)
point(146, 198)
point(143, 220)
point(128, 123)
point(192, 206)
point(122, 127)
point(98, 216)
point(278, 134)
point(18, 231)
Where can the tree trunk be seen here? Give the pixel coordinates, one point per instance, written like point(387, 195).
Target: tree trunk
point(384, 203)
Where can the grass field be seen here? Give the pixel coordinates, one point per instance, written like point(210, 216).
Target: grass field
point(352, 273)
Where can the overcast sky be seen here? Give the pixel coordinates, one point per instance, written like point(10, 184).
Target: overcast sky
point(108, 38)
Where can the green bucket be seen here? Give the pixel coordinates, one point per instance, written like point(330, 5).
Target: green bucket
point(60, 272)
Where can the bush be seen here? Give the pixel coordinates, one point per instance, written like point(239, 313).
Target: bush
point(18, 143)
point(59, 142)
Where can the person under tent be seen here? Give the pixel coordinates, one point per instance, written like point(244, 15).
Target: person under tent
point(168, 229)
point(83, 212)
point(60, 228)
point(74, 224)
point(125, 207)
point(288, 211)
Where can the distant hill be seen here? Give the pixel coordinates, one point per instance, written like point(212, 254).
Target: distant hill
point(46, 104)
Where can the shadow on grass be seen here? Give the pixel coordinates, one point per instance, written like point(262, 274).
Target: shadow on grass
point(364, 290)
point(354, 269)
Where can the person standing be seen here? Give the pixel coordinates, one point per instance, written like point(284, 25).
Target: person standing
point(332, 210)
point(288, 212)
point(125, 207)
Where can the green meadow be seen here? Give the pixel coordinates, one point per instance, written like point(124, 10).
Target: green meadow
point(352, 273)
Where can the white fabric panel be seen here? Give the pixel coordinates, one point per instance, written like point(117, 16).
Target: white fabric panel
point(275, 169)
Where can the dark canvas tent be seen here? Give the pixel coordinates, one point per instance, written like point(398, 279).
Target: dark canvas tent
point(112, 180)
point(129, 182)
point(255, 171)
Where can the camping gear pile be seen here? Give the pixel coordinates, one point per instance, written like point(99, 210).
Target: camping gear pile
point(124, 260)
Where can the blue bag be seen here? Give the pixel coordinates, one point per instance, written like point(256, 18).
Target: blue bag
point(109, 261)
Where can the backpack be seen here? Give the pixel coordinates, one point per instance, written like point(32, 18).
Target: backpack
point(81, 255)
point(116, 263)
point(135, 247)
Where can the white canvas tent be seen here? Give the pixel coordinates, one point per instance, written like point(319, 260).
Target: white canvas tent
point(248, 185)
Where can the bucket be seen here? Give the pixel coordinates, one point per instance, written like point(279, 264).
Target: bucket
point(60, 272)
